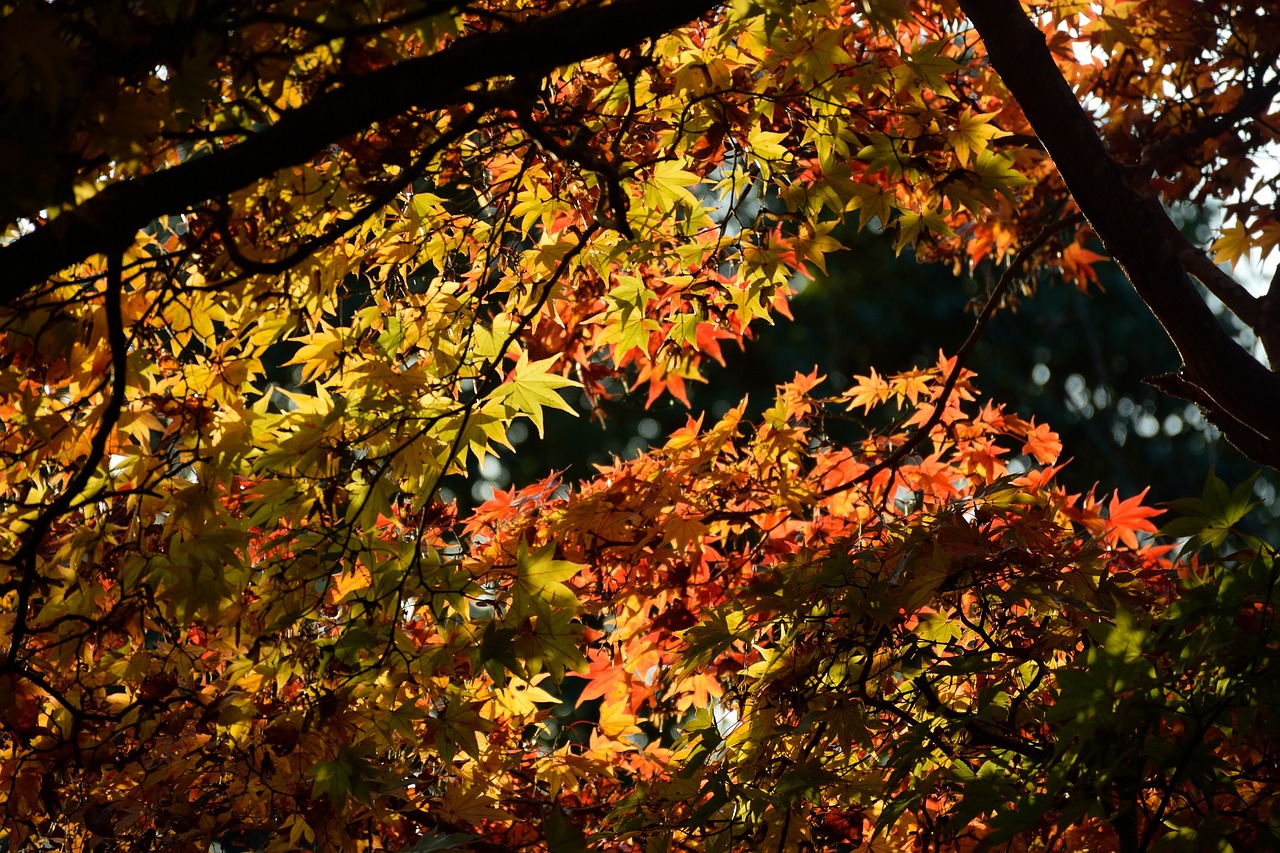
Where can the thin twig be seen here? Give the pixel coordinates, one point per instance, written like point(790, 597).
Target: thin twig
point(975, 334)
point(307, 248)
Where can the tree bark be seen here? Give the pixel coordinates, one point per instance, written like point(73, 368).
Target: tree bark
point(110, 220)
point(1239, 394)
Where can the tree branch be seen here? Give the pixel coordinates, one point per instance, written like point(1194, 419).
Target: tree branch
point(1007, 278)
point(1132, 229)
point(375, 204)
point(1234, 295)
point(1254, 103)
point(427, 83)
point(26, 560)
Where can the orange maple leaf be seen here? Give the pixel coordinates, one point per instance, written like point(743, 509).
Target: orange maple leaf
point(868, 391)
point(603, 679)
point(1125, 519)
point(1043, 443)
point(1077, 265)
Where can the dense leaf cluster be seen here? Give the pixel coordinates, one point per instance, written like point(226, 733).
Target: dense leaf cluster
point(274, 271)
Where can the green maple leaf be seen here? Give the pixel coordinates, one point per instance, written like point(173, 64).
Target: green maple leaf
point(531, 388)
point(552, 643)
point(670, 185)
point(972, 133)
point(931, 66)
point(548, 639)
point(538, 589)
point(346, 775)
point(996, 171)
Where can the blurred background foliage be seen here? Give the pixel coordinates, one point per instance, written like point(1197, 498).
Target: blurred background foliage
point(1074, 360)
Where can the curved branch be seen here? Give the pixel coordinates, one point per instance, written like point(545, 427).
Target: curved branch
point(1233, 294)
point(375, 204)
point(1133, 229)
point(26, 560)
point(1255, 102)
point(428, 83)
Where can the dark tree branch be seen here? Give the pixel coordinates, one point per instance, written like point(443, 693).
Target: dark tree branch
point(1253, 104)
point(27, 558)
point(1133, 229)
point(1256, 313)
point(1268, 326)
point(1257, 447)
point(377, 202)
point(325, 32)
point(432, 82)
point(1233, 294)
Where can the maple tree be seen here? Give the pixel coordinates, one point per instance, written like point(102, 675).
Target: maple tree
point(273, 271)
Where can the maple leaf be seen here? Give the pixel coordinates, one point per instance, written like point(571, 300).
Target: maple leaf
point(539, 587)
point(681, 532)
point(972, 133)
point(550, 642)
point(470, 804)
point(1127, 518)
point(914, 225)
point(931, 64)
point(520, 698)
point(1043, 443)
point(318, 354)
point(698, 690)
point(1233, 244)
point(868, 391)
point(350, 583)
point(531, 388)
point(615, 720)
point(1268, 238)
point(1077, 265)
point(912, 385)
point(767, 145)
point(670, 185)
point(346, 775)
point(815, 243)
point(873, 203)
point(234, 418)
point(604, 678)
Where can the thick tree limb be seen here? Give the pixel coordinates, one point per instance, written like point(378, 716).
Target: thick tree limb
point(1233, 294)
point(1133, 229)
point(1259, 448)
point(380, 200)
point(111, 218)
point(1258, 314)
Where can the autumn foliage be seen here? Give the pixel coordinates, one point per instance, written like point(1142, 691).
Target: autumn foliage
point(278, 271)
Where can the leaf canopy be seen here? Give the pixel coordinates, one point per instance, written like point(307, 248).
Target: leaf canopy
point(276, 271)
